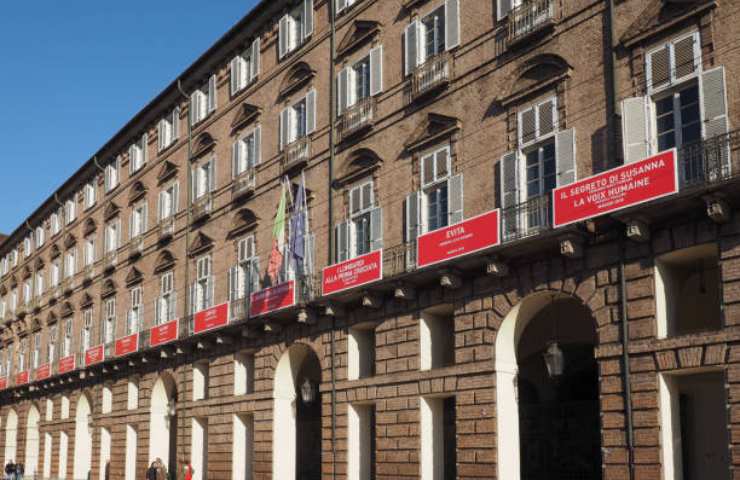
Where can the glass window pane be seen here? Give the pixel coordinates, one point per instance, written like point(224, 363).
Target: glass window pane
point(666, 141)
point(664, 105)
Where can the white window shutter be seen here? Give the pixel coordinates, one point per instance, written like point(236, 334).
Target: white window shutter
point(212, 175)
point(255, 64)
point(193, 108)
point(311, 112)
point(376, 229)
point(343, 89)
point(565, 156)
point(258, 145)
point(232, 284)
point(635, 129)
point(716, 122)
point(509, 175)
point(342, 241)
point(376, 70)
point(175, 199)
point(234, 75)
point(160, 205)
point(456, 199)
point(413, 216)
point(235, 153)
point(411, 47)
point(503, 7)
point(175, 123)
point(283, 36)
point(254, 274)
point(131, 157)
point(307, 18)
point(212, 94)
point(284, 127)
point(341, 5)
point(452, 24)
point(144, 148)
point(160, 134)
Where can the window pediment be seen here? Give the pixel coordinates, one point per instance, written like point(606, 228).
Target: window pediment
point(86, 301)
point(533, 76)
point(51, 318)
point(66, 310)
point(298, 75)
point(203, 144)
point(435, 127)
point(246, 114)
point(134, 276)
point(54, 252)
point(109, 288)
point(244, 220)
point(660, 15)
point(359, 163)
point(90, 227)
point(167, 171)
point(26, 272)
point(111, 210)
point(359, 33)
point(39, 264)
point(165, 261)
point(200, 244)
point(69, 241)
point(136, 193)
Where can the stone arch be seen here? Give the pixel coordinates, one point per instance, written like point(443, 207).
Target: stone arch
point(11, 436)
point(509, 386)
point(163, 421)
point(297, 76)
point(83, 437)
point(31, 458)
point(535, 73)
point(288, 371)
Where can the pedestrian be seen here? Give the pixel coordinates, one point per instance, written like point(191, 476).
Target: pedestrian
point(151, 472)
point(9, 470)
point(188, 472)
point(20, 469)
point(161, 470)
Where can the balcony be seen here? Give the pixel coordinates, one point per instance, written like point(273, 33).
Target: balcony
point(166, 228)
point(399, 259)
point(202, 207)
point(110, 260)
point(531, 17)
point(709, 161)
point(244, 184)
point(238, 309)
point(296, 154)
point(357, 118)
point(434, 74)
point(526, 219)
point(136, 246)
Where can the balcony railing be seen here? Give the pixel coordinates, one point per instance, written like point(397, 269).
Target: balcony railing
point(136, 246)
point(709, 161)
point(528, 18)
point(166, 228)
point(526, 219)
point(432, 74)
point(356, 118)
point(399, 259)
point(243, 184)
point(88, 273)
point(202, 206)
point(238, 309)
point(110, 260)
point(296, 154)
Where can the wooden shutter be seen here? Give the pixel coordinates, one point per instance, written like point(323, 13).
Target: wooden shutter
point(635, 129)
point(254, 274)
point(413, 216)
point(233, 283)
point(160, 134)
point(659, 68)
point(144, 148)
point(283, 30)
point(307, 18)
point(175, 198)
point(411, 47)
point(527, 126)
point(565, 156)
point(255, 64)
point(376, 70)
point(194, 108)
point(376, 229)
point(343, 90)
point(686, 55)
point(456, 201)
point(509, 179)
point(714, 102)
point(235, 69)
point(175, 124)
point(212, 94)
point(341, 235)
point(310, 112)
point(284, 127)
point(546, 118)
point(212, 175)
point(341, 5)
point(503, 7)
point(452, 24)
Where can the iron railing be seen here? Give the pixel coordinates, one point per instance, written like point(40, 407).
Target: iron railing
point(357, 117)
point(529, 17)
point(709, 161)
point(202, 206)
point(432, 74)
point(527, 218)
point(399, 259)
point(244, 184)
point(296, 153)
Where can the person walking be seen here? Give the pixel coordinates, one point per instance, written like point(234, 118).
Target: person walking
point(20, 470)
point(151, 472)
point(10, 470)
point(188, 472)
point(160, 468)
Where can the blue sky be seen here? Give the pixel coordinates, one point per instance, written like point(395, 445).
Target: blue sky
point(73, 73)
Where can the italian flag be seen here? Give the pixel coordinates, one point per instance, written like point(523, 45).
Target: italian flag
point(278, 241)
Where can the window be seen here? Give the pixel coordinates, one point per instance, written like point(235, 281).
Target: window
point(361, 352)
point(678, 118)
point(243, 447)
point(27, 247)
point(14, 257)
point(200, 380)
point(243, 373)
point(70, 263)
point(4, 266)
point(438, 438)
point(3, 308)
point(90, 195)
point(295, 27)
point(132, 402)
point(363, 231)
point(14, 300)
point(361, 448)
point(89, 252)
point(137, 154)
point(111, 174)
point(107, 400)
point(361, 80)
point(204, 179)
point(245, 153)
point(67, 344)
point(673, 62)
point(244, 276)
point(168, 129)
point(86, 335)
point(440, 201)
point(112, 236)
point(202, 291)
point(55, 274)
point(136, 313)
point(343, 5)
point(138, 221)
point(39, 283)
point(56, 225)
point(167, 298)
point(52, 346)
point(22, 355)
point(437, 338)
point(688, 291)
point(36, 354)
point(203, 101)
point(70, 211)
point(27, 291)
point(540, 170)
point(245, 67)
point(432, 35)
point(109, 320)
point(39, 236)
point(298, 120)
point(168, 199)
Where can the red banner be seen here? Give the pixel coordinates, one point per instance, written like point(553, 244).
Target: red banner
point(3, 383)
point(95, 355)
point(67, 364)
point(352, 273)
point(43, 372)
point(165, 333)
point(472, 235)
point(272, 299)
point(214, 317)
point(615, 189)
point(22, 378)
point(127, 345)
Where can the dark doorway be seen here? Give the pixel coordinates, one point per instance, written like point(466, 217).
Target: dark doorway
point(308, 422)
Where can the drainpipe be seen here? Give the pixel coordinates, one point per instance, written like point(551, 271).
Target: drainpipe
point(330, 223)
point(190, 203)
point(626, 365)
point(610, 65)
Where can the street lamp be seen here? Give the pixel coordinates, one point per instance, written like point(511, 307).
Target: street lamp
point(308, 391)
point(554, 360)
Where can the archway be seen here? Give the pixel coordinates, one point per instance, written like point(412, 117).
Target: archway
point(31, 458)
point(297, 415)
point(552, 423)
point(11, 436)
point(163, 422)
point(83, 438)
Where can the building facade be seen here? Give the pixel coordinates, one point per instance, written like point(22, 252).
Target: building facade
point(434, 315)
